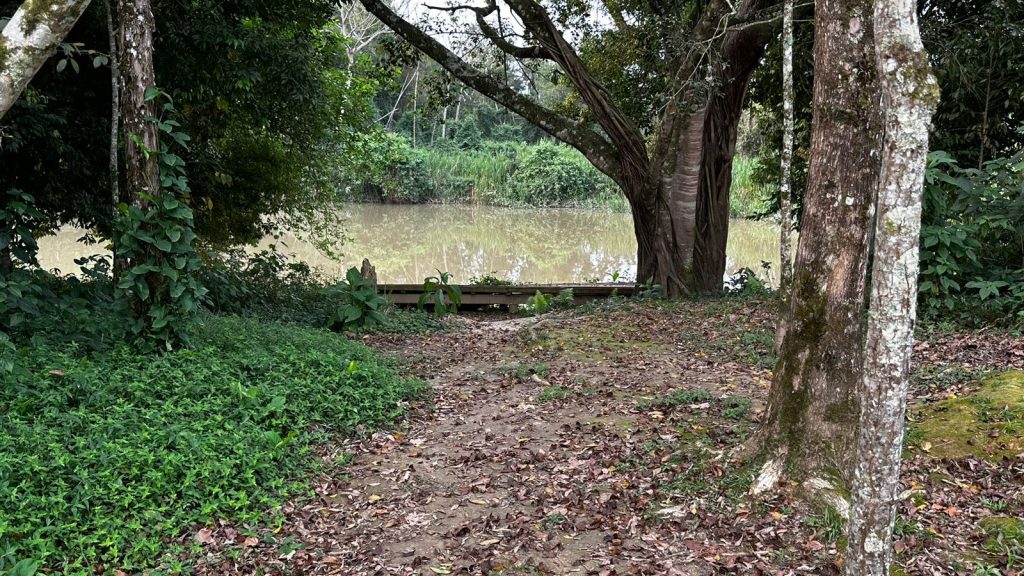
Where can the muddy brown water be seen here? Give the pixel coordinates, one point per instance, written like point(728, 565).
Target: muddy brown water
point(534, 245)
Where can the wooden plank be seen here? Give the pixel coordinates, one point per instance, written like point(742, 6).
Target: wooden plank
point(483, 295)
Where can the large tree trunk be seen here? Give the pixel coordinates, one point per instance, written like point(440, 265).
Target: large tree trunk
point(28, 40)
point(742, 51)
point(811, 418)
point(142, 171)
point(909, 95)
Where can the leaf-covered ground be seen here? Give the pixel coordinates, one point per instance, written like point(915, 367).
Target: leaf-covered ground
point(599, 444)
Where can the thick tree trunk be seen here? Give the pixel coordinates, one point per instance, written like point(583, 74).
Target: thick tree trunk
point(811, 418)
point(142, 171)
point(28, 40)
point(909, 96)
point(743, 51)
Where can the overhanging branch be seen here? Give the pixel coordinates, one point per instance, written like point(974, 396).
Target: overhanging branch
point(596, 148)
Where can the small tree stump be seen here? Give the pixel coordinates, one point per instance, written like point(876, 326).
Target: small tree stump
point(368, 272)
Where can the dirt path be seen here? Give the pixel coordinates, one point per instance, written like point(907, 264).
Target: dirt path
point(576, 445)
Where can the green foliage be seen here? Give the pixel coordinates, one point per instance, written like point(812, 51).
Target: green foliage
point(238, 71)
point(264, 285)
point(972, 240)
point(385, 168)
point(553, 393)
point(105, 458)
point(489, 280)
point(541, 303)
point(359, 306)
point(748, 198)
point(19, 294)
point(441, 294)
point(555, 175)
point(155, 238)
point(746, 282)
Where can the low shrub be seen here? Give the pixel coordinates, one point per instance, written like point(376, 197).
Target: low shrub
point(105, 458)
point(972, 241)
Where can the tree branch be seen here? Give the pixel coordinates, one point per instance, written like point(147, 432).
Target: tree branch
point(596, 148)
point(28, 40)
point(619, 127)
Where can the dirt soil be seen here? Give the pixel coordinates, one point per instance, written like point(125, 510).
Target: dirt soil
point(598, 443)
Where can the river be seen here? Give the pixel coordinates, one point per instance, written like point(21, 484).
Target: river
point(408, 243)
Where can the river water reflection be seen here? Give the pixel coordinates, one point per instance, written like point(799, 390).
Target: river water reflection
point(407, 243)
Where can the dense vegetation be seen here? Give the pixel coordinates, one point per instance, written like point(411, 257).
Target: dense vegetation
point(106, 457)
point(186, 381)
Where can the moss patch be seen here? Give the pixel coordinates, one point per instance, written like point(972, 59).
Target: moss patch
point(597, 343)
point(1002, 532)
point(988, 423)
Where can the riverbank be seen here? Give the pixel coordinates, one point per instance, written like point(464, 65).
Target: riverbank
point(514, 174)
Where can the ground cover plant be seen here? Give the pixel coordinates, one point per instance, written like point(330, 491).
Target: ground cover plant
point(106, 457)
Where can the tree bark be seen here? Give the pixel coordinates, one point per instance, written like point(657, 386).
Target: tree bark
point(141, 137)
point(811, 418)
point(909, 96)
point(786, 181)
point(27, 41)
point(742, 51)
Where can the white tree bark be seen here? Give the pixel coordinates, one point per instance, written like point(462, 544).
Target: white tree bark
point(909, 95)
point(28, 40)
point(786, 182)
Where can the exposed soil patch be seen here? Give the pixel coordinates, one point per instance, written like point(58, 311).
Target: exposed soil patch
point(598, 444)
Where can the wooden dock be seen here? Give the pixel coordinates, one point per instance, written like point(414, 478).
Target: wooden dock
point(475, 295)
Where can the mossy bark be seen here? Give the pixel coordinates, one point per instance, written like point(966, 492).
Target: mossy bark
point(29, 39)
point(810, 425)
point(908, 97)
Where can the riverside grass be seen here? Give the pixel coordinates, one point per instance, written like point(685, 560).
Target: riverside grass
point(482, 176)
point(106, 458)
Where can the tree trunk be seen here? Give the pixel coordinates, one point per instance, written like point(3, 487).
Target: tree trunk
point(117, 262)
point(909, 95)
point(811, 417)
point(786, 181)
point(28, 40)
point(142, 171)
point(743, 51)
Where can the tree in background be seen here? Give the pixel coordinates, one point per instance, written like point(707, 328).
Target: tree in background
point(671, 154)
point(909, 97)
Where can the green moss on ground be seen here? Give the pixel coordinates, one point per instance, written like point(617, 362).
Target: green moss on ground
point(988, 423)
point(1001, 532)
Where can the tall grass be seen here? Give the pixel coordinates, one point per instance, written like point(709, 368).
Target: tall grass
point(470, 175)
point(506, 174)
point(748, 199)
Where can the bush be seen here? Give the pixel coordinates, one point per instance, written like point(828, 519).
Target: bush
point(972, 240)
point(556, 175)
point(359, 305)
point(105, 459)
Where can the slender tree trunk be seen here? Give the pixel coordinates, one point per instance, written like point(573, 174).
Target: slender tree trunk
point(909, 96)
point(28, 40)
point(415, 103)
point(142, 171)
point(115, 128)
point(810, 425)
point(786, 182)
point(115, 107)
